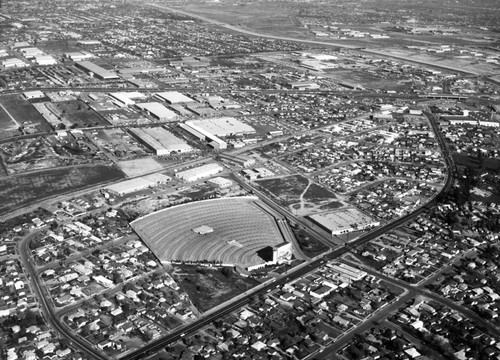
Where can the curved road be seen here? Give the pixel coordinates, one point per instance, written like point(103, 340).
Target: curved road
point(47, 308)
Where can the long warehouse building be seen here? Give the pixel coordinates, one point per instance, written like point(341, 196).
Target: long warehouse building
point(161, 141)
point(96, 70)
point(199, 172)
point(204, 135)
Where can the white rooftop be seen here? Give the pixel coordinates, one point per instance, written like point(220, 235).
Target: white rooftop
point(174, 97)
point(223, 126)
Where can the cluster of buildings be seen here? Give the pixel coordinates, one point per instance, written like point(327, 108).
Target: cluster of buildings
point(140, 312)
point(459, 337)
point(393, 198)
point(297, 321)
point(479, 294)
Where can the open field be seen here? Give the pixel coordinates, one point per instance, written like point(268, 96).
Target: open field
point(287, 188)
point(299, 194)
point(22, 190)
point(237, 229)
point(24, 113)
point(76, 113)
point(367, 80)
point(208, 288)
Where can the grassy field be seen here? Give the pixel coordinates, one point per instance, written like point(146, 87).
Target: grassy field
point(22, 190)
point(24, 113)
point(208, 288)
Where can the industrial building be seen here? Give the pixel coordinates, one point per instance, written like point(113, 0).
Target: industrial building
point(44, 60)
point(14, 63)
point(237, 160)
point(35, 94)
point(343, 221)
point(158, 111)
point(203, 135)
point(79, 55)
point(130, 186)
point(161, 141)
point(96, 70)
point(123, 99)
point(220, 182)
point(223, 126)
point(200, 172)
point(303, 85)
point(174, 97)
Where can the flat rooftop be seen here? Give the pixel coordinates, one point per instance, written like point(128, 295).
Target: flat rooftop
point(173, 97)
point(342, 219)
point(224, 126)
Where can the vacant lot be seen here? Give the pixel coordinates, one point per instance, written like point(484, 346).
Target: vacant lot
point(23, 112)
point(287, 188)
point(299, 194)
point(22, 190)
point(208, 288)
point(76, 113)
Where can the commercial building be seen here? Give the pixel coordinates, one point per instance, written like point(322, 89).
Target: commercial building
point(96, 70)
point(348, 272)
point(200, 172)
point(174, 97)
point(158, 111)
point(130, 186)
point(237, 160)
point(161, 141)
point(343, 221)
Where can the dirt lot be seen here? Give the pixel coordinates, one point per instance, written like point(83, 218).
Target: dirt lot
point(299, 194)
